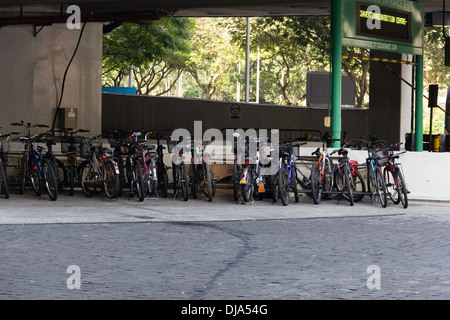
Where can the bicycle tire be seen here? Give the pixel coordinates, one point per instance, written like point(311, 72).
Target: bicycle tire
point(315, 183)
point(208, 182)
point(381, 188)
point(403, 192)
point(50, 179)
point(360, 186)
point(110, 180)
point(283, 185)
point(235, 180)
point(23, 173)
point(87, 180)
point(3, 181)
point(246, 190)
point(139, 184)
point(274, 190)
point(184, 181)
point(391, 185)
point(194, 181)
point(348, 183)
point(163, 179)
point(61, 173)
point(71, 164)
point(294, 187)
point(328, 178)
point(35, 176)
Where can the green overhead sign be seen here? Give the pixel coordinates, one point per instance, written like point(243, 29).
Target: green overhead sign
point(388, 25)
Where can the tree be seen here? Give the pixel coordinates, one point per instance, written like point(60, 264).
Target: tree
point(153, 50)
point(211, 57)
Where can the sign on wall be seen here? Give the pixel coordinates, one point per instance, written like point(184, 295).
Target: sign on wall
point(388, 25)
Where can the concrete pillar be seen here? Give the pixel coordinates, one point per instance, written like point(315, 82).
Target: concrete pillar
point(32, 69)
point(406, 99)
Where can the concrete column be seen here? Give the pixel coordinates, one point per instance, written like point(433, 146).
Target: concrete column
point(32, 70)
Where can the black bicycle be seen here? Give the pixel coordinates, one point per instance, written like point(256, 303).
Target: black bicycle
point(70, 146)
point(34, 166)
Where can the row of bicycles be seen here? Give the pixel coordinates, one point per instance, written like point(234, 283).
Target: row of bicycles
point(380, 177)
point(134, 165)
point(130, 165)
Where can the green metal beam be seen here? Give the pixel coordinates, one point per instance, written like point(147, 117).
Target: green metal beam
point(419, 104)
point(336, 67)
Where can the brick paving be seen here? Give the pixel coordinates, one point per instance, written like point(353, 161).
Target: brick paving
point(151, 256)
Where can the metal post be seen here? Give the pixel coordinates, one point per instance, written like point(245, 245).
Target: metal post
point(247, 63)
point(419, 104)
point(336, 61)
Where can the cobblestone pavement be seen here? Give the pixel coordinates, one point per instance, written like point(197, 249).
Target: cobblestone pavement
point(285, 258)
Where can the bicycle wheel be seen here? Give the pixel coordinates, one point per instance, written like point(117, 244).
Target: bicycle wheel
point(359, 186)
point(380, 188)
point(283, 184)
point(274, 189)
point(3, 181)
point(50, 180)
point(138, 183)
point(328, 177)
point(88, 179)
point(35, 176)
point(23, 173)
point(316, 183)
point(401, 188)
point(294, 187)
point(207, 182)
point(71, 174)
point(235, 177)
point(61, 173)
point(163, 180)
point(348, 183)
point(391, 185)
point(246, 190)
point(110, 179)
point(194, 181)
point(183, 180)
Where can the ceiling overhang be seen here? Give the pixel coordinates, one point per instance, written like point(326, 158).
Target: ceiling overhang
point(42, 12)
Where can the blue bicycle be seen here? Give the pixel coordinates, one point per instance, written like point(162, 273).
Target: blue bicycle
point(34, 166)
point(288, 172)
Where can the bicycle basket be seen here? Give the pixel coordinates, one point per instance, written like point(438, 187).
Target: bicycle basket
point(381, 158)
point(70, 142)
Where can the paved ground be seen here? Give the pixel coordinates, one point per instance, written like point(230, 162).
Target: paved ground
point(195, 250)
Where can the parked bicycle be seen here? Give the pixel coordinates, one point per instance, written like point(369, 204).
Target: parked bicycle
point(393, 175)
point(375, 181)
point(133, 167)
point(100, 172)
point(202, 177)
point(180, 175)
point(34, 166)
point(118, 142)
point(322, 173)
point(288, 174)
point(344, 183)
point(70, 146)
point(161, 167)
point(251, 178)
point(4, 140)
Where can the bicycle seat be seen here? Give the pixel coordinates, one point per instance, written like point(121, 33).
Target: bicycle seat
point(316, 153)
point(149, 147)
